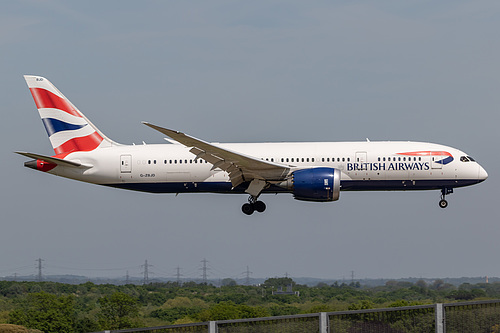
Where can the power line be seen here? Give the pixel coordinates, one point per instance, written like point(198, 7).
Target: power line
point(204, 270)
point(146, 271)
point(178, 275)
point(39, 260)
point(247, 276)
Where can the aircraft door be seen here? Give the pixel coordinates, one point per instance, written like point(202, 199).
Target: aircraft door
point(361, 160)
point(436, 157)
point(126, 163)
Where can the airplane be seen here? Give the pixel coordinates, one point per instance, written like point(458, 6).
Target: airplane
point(310, 171)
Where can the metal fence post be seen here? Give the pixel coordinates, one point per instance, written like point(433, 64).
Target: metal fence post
point(323, 322)
point(439, 318)
point(212, 327)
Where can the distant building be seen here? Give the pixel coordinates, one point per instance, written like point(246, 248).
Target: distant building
point(289, 291)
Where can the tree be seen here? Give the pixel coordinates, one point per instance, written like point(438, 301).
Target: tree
point(229, 310)
point(362, 305)
point(421, 284)
point(228, 282)
point(279, 282)
point(45, 312)
point(118, 311)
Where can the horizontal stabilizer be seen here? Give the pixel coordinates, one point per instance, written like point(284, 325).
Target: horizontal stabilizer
point(54, 160)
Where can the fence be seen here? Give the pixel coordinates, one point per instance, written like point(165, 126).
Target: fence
point(466, 317)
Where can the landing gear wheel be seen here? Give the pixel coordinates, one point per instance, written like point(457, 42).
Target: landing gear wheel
point(259, 206)
point(247, 209)
point(444, 191)
point(443, 203)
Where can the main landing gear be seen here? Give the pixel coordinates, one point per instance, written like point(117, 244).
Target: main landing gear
point(253, 205)
point(443, 203)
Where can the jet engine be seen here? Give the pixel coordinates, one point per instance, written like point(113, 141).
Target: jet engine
point(316, 184)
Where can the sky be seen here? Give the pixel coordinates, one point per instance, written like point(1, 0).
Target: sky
point(252, 71)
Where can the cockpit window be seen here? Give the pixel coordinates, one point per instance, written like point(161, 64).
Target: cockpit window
point(466, 159)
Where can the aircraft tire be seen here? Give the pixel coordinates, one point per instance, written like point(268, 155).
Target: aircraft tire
point(247, 209)
point(443, 203)
point(259, 206)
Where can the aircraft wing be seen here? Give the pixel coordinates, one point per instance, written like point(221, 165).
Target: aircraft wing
point(241, 168)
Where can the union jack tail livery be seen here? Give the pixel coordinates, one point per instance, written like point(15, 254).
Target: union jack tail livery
point(68, 129)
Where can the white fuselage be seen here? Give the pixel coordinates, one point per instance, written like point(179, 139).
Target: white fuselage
point(171, 168)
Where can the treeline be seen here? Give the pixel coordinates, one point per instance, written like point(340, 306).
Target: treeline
point(58, 307)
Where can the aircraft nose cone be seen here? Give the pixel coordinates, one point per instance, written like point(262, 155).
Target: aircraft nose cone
point(482, 175)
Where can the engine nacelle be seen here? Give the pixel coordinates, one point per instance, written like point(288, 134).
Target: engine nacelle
point(316, 184)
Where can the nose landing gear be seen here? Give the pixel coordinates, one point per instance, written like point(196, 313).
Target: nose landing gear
point(443, 203)
point(253, 205)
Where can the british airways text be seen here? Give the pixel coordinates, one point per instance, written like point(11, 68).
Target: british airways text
point(388, 166)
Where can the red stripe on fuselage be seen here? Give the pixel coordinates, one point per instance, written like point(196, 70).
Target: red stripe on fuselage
point(84, 143)
point(426, 153)
point(45, 99)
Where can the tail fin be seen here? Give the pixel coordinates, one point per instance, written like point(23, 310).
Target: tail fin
point(68, 129)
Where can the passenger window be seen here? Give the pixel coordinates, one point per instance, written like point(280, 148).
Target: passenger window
point(343, 159)
point(287, 159)
point(149, 161)
point(307, 159)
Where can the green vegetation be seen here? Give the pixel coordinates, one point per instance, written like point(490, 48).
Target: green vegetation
point(58, 307)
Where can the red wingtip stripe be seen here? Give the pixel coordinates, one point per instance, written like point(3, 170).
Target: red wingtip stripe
point(45, 99)
point(84, 143)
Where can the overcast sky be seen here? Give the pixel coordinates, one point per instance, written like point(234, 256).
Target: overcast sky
point(253, 71)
